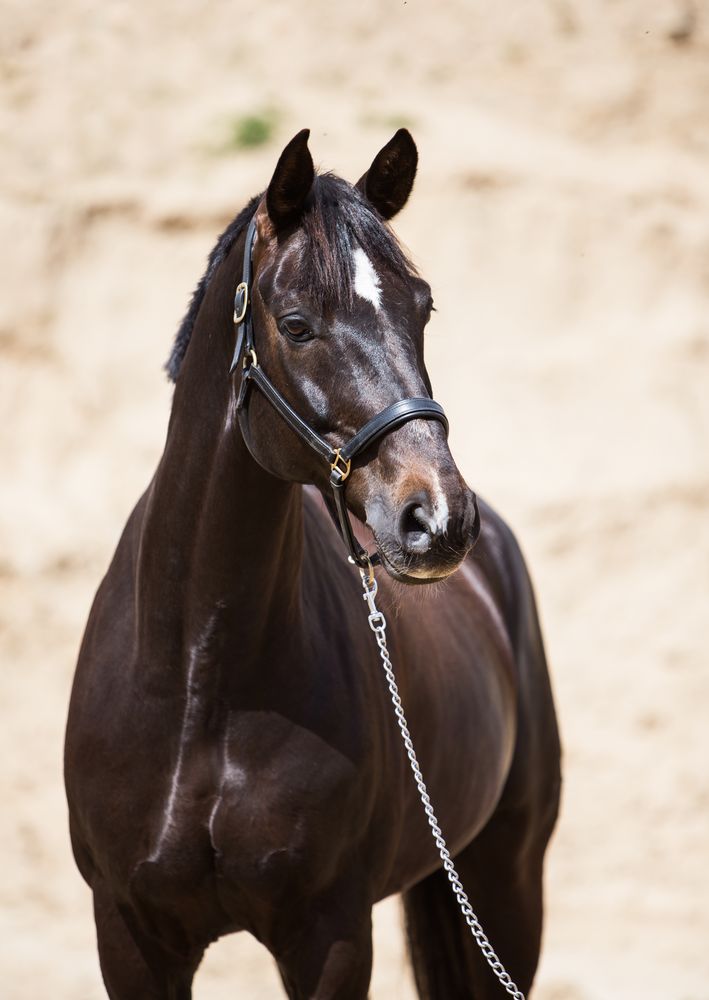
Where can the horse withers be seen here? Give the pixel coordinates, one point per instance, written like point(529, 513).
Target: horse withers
point(232, 762)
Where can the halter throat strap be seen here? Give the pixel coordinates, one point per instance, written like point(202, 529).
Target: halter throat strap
point(339, 459)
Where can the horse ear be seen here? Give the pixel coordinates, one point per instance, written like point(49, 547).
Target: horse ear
point(388, 182)
point(291, 181)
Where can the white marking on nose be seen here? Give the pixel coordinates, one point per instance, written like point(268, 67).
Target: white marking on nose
point(439, 509)
point(366, 282)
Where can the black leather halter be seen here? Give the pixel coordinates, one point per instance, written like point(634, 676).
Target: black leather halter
point(339, 459)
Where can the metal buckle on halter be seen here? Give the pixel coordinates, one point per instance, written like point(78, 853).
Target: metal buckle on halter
point(368, 581)
point(340, 472)
point(242, 289)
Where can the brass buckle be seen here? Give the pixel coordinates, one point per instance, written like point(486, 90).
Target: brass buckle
point(253, 363)
point(341, 465)
point(241, 287)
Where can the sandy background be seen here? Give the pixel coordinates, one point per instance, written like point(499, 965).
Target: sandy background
point(561, 213)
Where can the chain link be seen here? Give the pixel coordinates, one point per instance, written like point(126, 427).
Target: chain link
point(377, 623)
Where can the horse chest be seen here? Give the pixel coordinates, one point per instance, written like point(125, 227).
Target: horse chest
point(273, 828)
point(264, 826)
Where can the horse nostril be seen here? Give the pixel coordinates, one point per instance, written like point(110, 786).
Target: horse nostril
point(415, 527)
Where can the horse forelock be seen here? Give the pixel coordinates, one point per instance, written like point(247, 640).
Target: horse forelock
point(336, 222)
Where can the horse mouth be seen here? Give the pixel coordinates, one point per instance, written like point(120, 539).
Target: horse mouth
point(410, 575)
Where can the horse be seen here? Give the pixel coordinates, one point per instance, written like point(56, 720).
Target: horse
point(231, 759)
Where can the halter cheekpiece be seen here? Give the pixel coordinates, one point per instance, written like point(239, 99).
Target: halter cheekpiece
point(339, 459)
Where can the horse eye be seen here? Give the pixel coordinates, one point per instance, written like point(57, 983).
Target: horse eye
point(296, 328)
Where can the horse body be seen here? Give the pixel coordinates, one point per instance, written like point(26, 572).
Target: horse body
point(232, 762)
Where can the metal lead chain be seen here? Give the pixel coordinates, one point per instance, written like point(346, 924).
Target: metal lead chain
point(377, 623)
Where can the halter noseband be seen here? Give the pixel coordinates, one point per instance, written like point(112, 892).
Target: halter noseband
point(339, 459)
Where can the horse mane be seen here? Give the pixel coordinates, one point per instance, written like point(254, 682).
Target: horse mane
point(336, 216)
point(219, 254)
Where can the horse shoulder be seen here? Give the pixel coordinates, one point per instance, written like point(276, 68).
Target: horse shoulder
point(535, 777)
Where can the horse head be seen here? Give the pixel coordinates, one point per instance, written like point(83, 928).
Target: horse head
point(338, 316)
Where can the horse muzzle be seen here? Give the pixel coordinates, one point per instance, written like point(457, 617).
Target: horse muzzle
point(426, 537)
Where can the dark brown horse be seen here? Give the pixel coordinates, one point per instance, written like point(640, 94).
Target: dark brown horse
point(231, 759)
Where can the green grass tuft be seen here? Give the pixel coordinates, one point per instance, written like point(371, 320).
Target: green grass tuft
point(250, 131)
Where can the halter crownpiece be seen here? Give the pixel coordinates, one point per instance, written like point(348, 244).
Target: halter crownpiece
point(339, 459)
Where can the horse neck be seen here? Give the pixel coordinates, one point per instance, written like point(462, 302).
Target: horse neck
point(221, 545)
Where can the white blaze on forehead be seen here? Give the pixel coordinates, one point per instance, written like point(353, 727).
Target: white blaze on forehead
point(366, 282)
